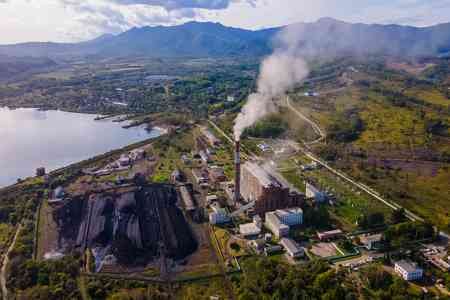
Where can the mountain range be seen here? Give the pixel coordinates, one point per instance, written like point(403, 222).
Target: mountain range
point(204, 39)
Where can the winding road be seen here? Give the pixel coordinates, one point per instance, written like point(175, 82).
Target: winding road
point(5, 262)
point(314, 126)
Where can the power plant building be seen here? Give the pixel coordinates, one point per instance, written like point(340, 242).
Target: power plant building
point(279, 221)
point(267, 191)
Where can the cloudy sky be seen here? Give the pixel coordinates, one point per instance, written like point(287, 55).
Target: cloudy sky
point(76, 20)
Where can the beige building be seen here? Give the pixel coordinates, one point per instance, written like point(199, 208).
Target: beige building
point(268, 191)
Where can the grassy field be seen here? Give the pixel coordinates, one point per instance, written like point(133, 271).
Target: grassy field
point(202, 290)
point(391, 127)
point(6, 231)
point(351, 203)
point(394, 153)
point(432, 96)
point(169, 153)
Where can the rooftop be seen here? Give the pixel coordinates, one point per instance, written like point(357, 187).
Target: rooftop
point(249, 229)
point(371, 238)
point(407, 265)
point(265, 178)
point(289, 211)
point(290, 245)
point(331, 232)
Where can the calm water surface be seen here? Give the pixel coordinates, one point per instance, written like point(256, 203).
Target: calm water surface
point(30, 138)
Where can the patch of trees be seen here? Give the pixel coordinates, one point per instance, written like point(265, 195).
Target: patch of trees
point(400, 234)
point(52, 280)
point(317, 217)
point(346, 127)
point(398, 216)
point(371, 220)
point(436, 127)
point(102, 288)
point(270, 127)
point(382, 285)
point(266, 279)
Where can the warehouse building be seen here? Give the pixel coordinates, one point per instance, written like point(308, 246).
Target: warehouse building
point(279, 221)
point(219, 214)
point(292, 248)
point(408, 270)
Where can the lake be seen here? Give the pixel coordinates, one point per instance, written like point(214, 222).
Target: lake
point(30, 138)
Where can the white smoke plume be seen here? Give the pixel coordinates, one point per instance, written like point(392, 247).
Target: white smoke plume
point(278, 73)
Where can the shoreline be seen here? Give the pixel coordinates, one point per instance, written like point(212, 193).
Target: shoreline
point(83, 163)
point(161, 131)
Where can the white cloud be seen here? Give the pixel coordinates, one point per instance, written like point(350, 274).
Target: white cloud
point(75, 20)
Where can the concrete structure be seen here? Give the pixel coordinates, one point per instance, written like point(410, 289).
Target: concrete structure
point(176, 176)
point(249, 230)
point(329, 235)
point(204, 156)
point(237, 170)
point(272, 249)
point(291, 216)
point(40, 171)
point(187, 198)
point(185, 159)
point(274, 224)
point(308, 167)
point(279, 221)
point(292, 248)
point(259, 185)
point(217, 174)
point(124, 161)
point(219, 215)
point(408, 270)
point(314, 193)
point(257, 221)
point(371, 242)
point(210, 199)
point(137, 154)
point(257, 245)
point(200, 176)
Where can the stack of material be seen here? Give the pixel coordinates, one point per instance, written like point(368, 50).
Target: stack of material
point(147, 217)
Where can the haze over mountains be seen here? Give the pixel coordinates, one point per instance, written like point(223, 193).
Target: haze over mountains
point(324, 37)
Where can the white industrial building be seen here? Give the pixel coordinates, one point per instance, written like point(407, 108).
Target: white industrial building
point(408, 270)
point(291, 216)
point(249, 230)
point(292, 248)
point(314, 193)
point(279, 221)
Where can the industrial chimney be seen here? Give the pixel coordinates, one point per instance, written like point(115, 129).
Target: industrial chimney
point(237, 178)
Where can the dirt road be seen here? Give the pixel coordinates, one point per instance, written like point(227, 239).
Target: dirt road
point(315, 127)
point(5, 262)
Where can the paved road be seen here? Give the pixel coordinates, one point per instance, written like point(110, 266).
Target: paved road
point(5, 262)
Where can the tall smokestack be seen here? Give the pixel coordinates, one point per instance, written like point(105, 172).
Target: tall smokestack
point(237, 177)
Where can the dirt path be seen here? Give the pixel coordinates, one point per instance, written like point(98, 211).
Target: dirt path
point(5, 262)
point(321, 133)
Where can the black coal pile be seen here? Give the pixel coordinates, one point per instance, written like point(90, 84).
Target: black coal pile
point(134, 224)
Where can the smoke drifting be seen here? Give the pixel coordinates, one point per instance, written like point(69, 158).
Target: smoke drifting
point(278, 73)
